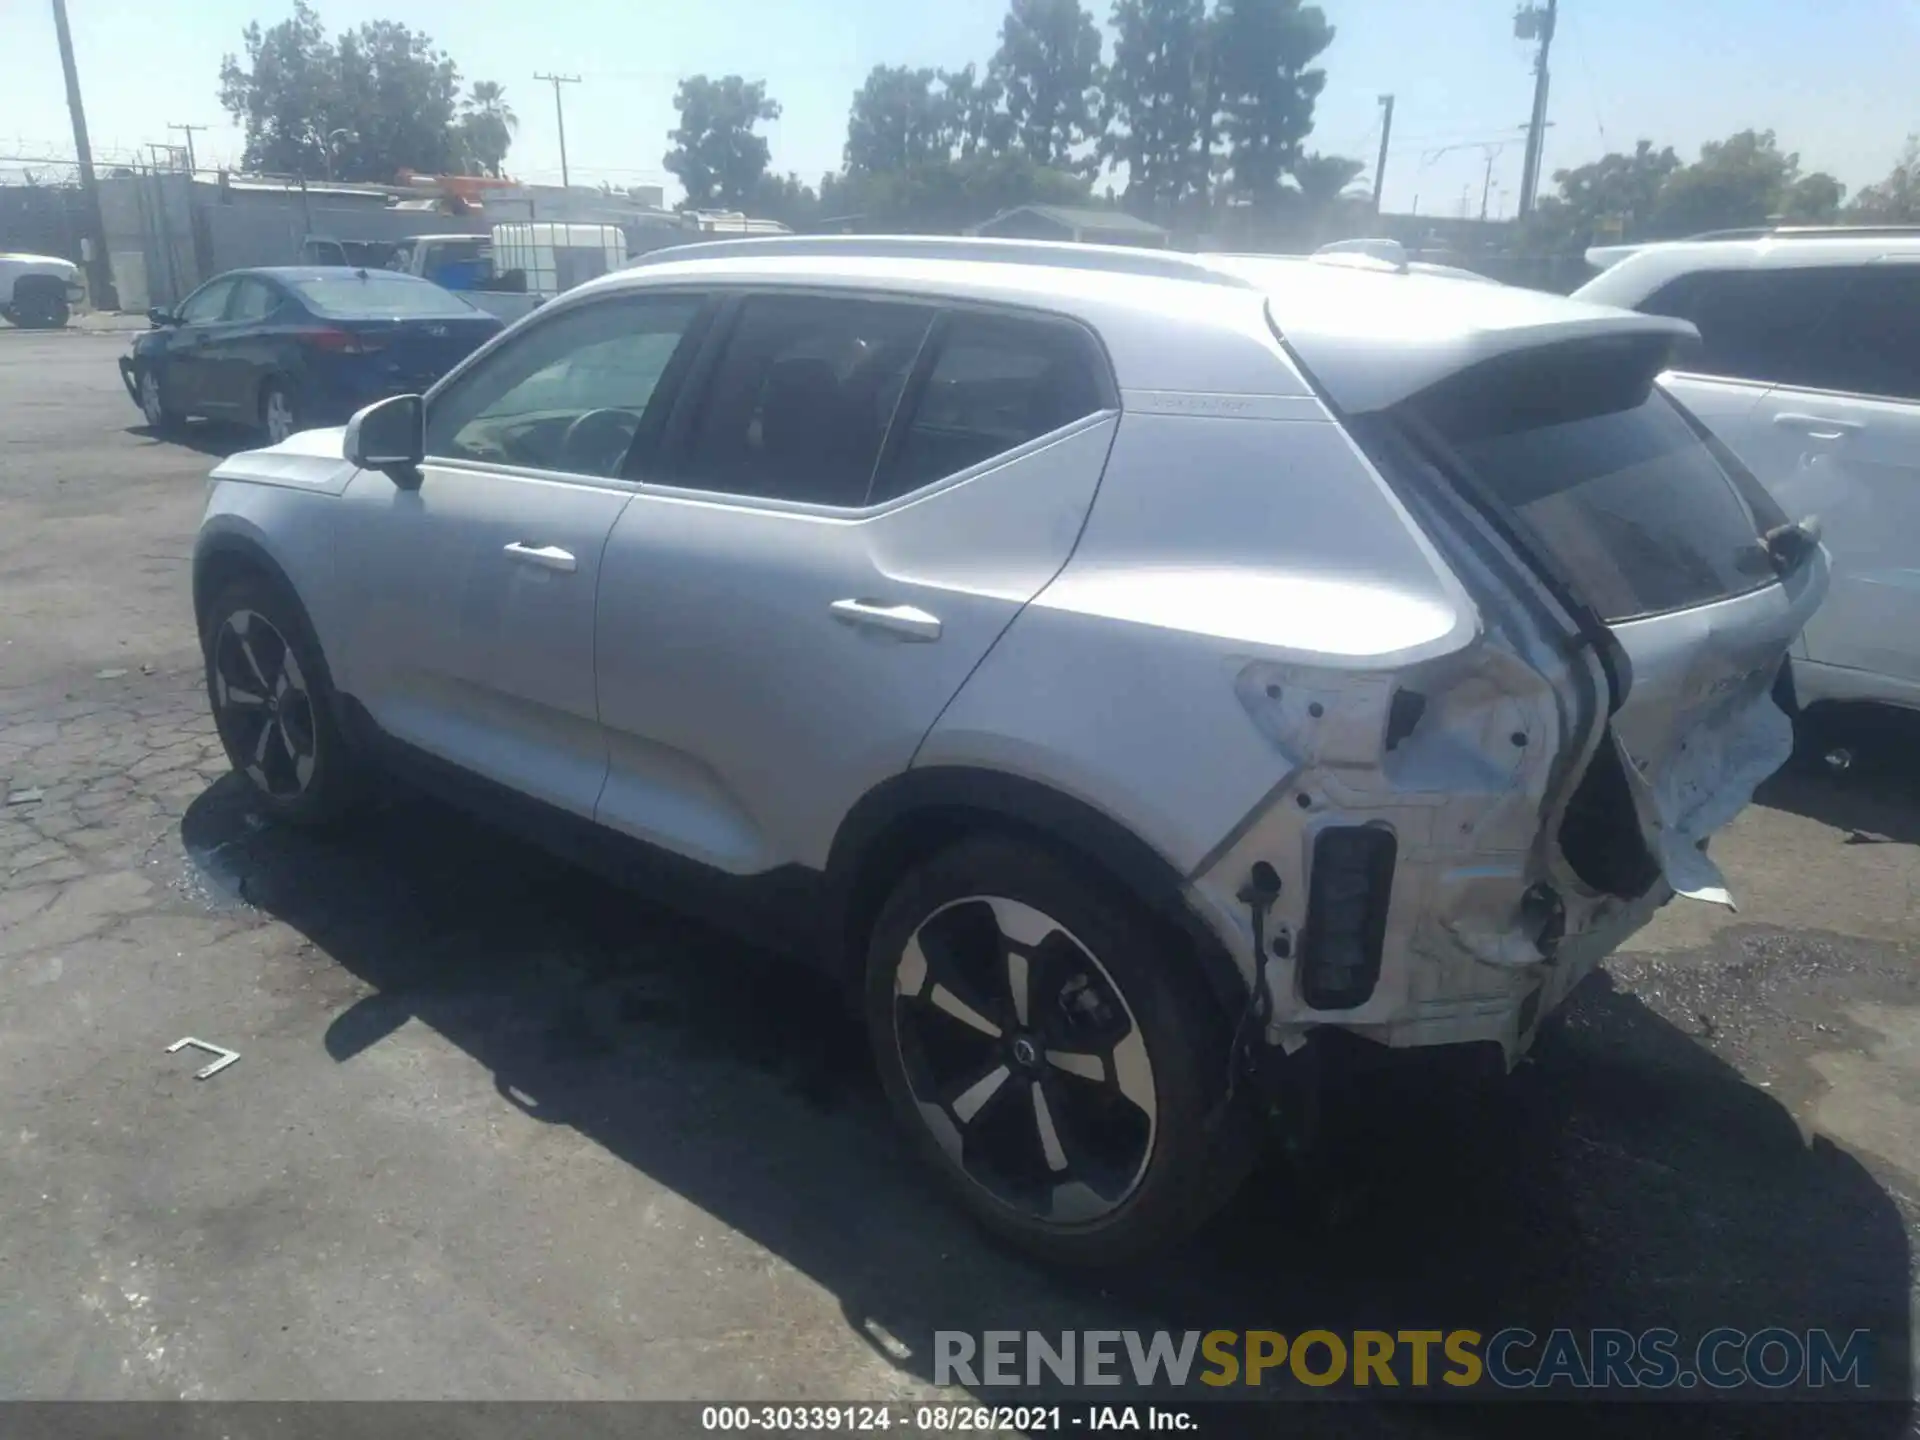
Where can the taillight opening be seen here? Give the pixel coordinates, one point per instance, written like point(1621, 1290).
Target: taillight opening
point(1346, 929)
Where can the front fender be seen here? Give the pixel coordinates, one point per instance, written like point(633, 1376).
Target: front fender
point(285, 534)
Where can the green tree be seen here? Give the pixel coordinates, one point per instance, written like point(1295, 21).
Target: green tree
point(488, 125)
point(786, 198)
point(285, 94)
point(897, 120)
point(717, 156)
point(1615, 196)
point(974, 112)
point(377, 100)
point(1049, 65)
point(944, 196)
point(403, 96)
point(1323, 179)
point(1158, 94)
point(1743, 180)
point(1814, 199)
point(1265, 51)
point(1896, 199)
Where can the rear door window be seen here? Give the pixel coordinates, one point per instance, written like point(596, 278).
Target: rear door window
point(1874, 330)
point(1769, 325)
point(1642, 511)
point(801, 397)
point(996, 383)
point(253, 299)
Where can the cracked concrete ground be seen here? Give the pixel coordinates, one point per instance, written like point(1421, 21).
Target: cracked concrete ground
point(498, 1131)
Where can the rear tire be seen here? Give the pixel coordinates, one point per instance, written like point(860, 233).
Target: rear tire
point(279, 414)
point(273, 705)
point(1053, 1053)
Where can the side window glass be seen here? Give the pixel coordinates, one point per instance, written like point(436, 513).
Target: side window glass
point(1874, 335)
point(1756, 324)
point(570, 394)
point(206, 304)
point(996, 384)
point(252, 300)
point(801, 398)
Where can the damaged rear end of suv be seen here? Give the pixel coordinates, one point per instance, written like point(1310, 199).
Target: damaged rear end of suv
point(1460, 840)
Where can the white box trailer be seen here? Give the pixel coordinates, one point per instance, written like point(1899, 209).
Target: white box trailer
point(555, 256)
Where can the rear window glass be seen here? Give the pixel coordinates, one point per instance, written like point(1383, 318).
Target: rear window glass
point(377, 297)
point(996, 384)
point(1611, 478)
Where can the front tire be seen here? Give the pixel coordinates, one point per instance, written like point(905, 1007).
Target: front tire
point(1037, 1033)
point(153, 407)
point(273, 705)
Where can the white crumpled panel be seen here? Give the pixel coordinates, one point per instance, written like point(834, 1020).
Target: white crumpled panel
point(1710, 780)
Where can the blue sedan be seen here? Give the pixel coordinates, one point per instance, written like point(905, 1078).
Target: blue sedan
point(286, 349)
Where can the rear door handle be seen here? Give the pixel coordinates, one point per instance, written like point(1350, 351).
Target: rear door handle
point(1816, 427)
point(903, 620)
point(547, 557)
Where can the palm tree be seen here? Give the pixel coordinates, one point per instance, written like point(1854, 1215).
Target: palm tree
point(1324, 178)
point(488, 125)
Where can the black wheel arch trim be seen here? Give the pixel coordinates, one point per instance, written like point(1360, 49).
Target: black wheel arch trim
point(978, 798)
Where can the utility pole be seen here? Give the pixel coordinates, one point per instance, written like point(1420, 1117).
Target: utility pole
point(1486, 186)
point(99, 269)
point(1386, 133)
point(560, 115)
point(189, 129)
point(1536, 22)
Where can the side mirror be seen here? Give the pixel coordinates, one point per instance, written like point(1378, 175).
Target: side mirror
point(389, 435)
point(160, 316)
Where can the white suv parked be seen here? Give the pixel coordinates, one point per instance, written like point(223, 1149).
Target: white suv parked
point(1117, 666)
point(1809, 369)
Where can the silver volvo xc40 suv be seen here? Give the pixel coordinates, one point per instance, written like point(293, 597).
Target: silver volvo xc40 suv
point(1118, 667)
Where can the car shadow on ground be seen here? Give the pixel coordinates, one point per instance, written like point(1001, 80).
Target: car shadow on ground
point(1625, 1177)
point(1856, 768)
point(208, 437)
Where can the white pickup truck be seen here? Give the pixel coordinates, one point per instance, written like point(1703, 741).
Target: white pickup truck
point(38, 292)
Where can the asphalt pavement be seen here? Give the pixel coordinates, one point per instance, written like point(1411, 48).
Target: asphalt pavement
point(498, 1131)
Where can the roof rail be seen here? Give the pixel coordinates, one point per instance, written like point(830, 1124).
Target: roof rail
point(1115, 259)
point(1841, 232)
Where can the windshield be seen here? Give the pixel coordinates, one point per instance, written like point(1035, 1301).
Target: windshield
point(376, 296)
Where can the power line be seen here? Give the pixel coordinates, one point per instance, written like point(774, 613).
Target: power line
point(560, 115)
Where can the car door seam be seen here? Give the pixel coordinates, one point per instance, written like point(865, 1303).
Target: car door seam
point(1079, 533)
point(593, 652)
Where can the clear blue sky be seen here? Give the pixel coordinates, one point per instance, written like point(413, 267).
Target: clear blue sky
point(1835, 79)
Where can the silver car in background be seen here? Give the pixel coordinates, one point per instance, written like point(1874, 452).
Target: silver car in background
point(1118, 667)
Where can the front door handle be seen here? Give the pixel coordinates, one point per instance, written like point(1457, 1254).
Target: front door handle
point(903, 620)
point(1816, 427)
point(547, 557)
